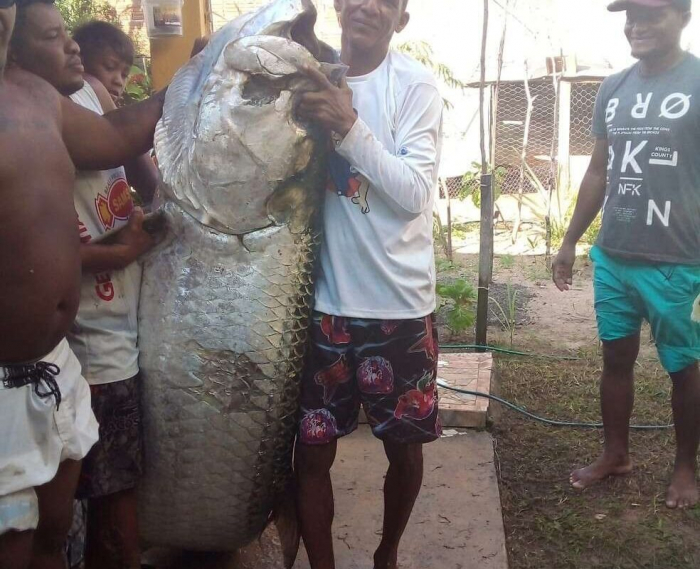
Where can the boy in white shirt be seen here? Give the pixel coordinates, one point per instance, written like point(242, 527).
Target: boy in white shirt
point(373, 339)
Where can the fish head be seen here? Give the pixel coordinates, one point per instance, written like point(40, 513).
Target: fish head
point(231, 149)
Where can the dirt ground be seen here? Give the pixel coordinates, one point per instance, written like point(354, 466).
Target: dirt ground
point(621, 523)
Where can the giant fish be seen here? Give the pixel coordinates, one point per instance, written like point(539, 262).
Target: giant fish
point(226, 296)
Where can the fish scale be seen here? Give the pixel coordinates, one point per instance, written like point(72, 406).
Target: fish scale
point(228, 456)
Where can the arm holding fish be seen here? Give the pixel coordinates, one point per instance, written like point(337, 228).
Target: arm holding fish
point(127, 245)
point(101, 142)
point(406, 180)
point(141, 173)
point(118, 252)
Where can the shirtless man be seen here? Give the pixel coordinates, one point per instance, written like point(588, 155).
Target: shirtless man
point(104, 334)
point(45, 415)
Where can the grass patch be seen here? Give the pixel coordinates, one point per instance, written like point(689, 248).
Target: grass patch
point(619, 524)
point(460, 231)
point(538, 270)
point(506, 261)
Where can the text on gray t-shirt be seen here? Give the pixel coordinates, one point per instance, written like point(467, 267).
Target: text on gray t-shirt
point(652, 126)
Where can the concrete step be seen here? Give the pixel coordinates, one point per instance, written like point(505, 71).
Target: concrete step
point(468, 371)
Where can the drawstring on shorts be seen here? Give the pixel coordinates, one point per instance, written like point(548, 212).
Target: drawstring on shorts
point(36, 374)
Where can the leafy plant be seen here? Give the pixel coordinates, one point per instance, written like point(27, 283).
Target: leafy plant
point(461, 231)
point(507, 316)
point(461, 296)
point(545, 209)
point(560, 214)
point(471, 184)
point(78, 12)
point(423, 53)
point(533, 242)
point(443, 265)
point(138, 86)
point(439, 234)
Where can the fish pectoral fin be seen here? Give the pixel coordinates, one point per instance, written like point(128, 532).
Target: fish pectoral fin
point(291, 205)
point(286, 522)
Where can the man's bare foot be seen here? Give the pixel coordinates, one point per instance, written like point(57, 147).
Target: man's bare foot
point(599, 470)
point(683, 491)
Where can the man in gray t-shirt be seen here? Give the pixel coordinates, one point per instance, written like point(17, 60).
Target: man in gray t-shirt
point(645, 177)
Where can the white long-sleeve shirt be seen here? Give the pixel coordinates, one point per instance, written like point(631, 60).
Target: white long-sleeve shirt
point(377, 257)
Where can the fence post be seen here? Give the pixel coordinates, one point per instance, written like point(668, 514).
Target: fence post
point(486, 238)
point(563, 176)
point(485, 259)
point(449, 222)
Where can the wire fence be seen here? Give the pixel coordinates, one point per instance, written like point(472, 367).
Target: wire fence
point(583, 97)
point(526, 130)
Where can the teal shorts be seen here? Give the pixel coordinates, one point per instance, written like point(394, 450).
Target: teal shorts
point(628, 292)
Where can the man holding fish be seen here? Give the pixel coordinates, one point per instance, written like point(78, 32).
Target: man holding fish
point(373, 339)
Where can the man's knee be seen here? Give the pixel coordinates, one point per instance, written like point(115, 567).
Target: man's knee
point(406, 457)
point(50, 537)
point(15, 549)
point(619, 356)
point(56, 509)
point(315, 460)
point(688, 375)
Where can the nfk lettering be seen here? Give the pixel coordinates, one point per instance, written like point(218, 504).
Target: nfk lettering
point(673, 107)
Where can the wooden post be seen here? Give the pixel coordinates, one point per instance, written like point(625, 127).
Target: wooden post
point(486, 238)
point(168, 54)
point(559, 154)
point(449, 222)
point(564, 152)
point(485, 259)
point(523, 156)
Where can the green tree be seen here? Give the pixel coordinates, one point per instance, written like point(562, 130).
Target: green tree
point(77, 12)
point(423, 53)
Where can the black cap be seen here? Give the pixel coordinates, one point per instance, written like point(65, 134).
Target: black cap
point(621, 5)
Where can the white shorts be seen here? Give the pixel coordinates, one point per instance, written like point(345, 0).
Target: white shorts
point(37, 437)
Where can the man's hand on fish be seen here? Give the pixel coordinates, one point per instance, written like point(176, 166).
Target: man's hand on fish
point(328, 105)
point(133, 239)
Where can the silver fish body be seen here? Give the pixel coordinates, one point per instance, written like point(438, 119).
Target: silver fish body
point(226, 296)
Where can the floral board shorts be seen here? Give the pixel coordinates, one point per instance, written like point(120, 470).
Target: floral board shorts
point(115, 463)
point(387, 366)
